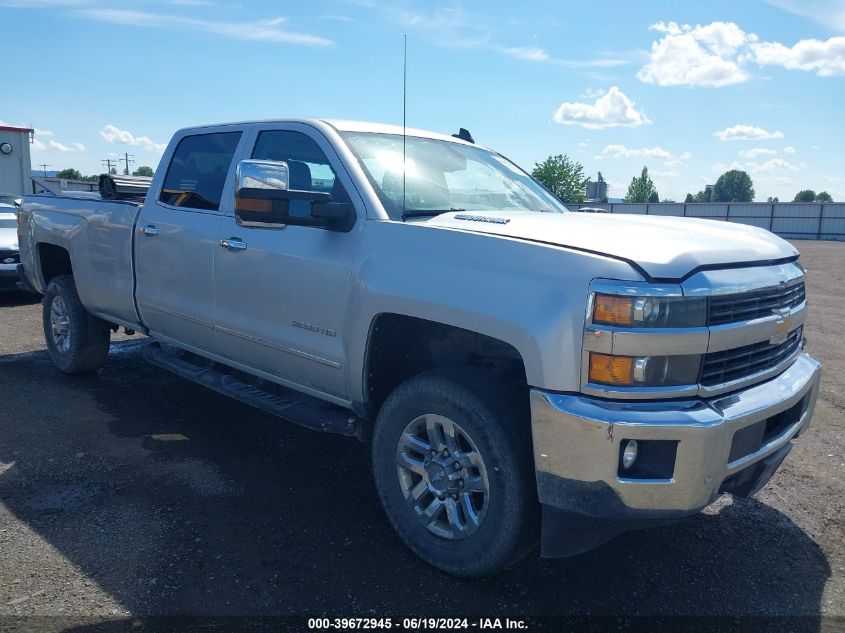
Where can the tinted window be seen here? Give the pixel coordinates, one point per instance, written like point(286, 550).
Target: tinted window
point(197, 173)
point(308, 167)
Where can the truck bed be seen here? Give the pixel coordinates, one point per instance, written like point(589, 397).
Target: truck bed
point(98, 235)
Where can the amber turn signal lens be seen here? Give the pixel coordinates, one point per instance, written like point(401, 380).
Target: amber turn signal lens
point(250, 204)
point(611, 370)
point(613, 310)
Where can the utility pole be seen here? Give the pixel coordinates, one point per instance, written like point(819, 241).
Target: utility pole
point(44, 167)
point(128, 158)
point(110, 164)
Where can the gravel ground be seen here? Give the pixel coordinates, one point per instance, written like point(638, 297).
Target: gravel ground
point(135, 492)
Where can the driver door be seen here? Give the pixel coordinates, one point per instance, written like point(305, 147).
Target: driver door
point(282, 292)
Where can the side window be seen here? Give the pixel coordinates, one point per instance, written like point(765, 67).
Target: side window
point(308, 166)
point(197, 172)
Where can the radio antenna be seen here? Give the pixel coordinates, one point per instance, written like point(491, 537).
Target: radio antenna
point(404, 109)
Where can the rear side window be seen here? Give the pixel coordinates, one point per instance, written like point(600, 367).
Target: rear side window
point(197, 172)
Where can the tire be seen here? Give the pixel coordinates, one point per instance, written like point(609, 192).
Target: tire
point(492, 420)
point(85, 343)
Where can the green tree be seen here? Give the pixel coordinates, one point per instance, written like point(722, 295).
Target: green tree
point(805, 195)
point(143, 170)
point(69, 174)
point(563, 177)
point(823, 196)
point(704, 196)
point(642, 189)
point(689, 198)
point(734, 186)
point(770, 199)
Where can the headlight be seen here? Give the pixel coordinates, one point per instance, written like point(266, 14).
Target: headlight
point(628, 311)
point(644, 371)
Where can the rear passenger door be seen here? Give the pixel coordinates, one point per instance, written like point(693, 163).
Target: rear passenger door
point(282, 296)
point(174, 241)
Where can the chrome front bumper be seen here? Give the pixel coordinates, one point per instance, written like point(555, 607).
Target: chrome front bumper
point(578, 440)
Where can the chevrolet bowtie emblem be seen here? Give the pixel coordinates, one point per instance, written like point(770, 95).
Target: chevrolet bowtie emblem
point(782, 326)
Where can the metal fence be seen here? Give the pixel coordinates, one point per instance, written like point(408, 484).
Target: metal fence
point(795, 220)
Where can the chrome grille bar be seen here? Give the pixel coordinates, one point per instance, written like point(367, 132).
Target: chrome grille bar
point(743, 362)
point(753, 305)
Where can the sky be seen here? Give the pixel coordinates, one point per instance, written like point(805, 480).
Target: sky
point(688, 89)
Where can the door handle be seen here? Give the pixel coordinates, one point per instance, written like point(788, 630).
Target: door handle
point(233, 244)
point(149, 230)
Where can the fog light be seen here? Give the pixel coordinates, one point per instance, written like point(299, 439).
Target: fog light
point(629, 454)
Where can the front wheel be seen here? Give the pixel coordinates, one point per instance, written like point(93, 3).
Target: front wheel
point(77, 341)
point(454, 470)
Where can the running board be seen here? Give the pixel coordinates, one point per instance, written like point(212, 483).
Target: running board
point(291, 405)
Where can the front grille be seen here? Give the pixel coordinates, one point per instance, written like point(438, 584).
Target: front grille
point(7, 254)
point(742, 362)
point(753, 305)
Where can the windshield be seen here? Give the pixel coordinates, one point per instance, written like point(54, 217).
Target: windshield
point(442, 176)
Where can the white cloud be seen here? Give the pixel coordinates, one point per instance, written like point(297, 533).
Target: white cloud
point(741, 132)
point(696, 56)
point(38, 145)
point(665, 174)
point(593, 93)
point(453, 27)
point(789, 149)
point(772, 165)
point(528, 53)
point(828, 13)
point(583, 144)
point(620, 151)
point(723, 167)
point(826, 58)
point(337, 18)
point(260, 31)
point(612, 109)
point(114, 134)
point(758, 151)
point(73, 147)
point(537, 54)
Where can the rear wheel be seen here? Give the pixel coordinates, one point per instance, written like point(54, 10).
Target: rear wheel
point(454, 470)
point(77, 341)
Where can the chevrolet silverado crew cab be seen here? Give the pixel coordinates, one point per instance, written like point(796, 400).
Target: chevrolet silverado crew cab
point(522, 373)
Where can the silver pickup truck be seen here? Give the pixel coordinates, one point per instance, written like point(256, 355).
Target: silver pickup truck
point(521, 373)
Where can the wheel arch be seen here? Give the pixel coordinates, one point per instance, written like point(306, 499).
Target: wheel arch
point(401, 346)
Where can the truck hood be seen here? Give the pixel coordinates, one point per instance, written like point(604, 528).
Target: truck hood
point(665, 247)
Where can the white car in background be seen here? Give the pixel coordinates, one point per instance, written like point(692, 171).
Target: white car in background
point(9, 251)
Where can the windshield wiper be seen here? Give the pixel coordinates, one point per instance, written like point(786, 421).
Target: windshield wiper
point(427, 213)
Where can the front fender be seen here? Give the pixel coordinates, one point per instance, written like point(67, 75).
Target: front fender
point(531, 296)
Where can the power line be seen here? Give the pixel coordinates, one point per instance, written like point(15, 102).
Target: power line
point(44, 167)
point(110, 163)
point(128, 158)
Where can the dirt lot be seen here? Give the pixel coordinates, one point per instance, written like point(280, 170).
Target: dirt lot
point(136, 492)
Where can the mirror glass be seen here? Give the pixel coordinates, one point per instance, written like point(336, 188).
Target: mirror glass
point(262, 174)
